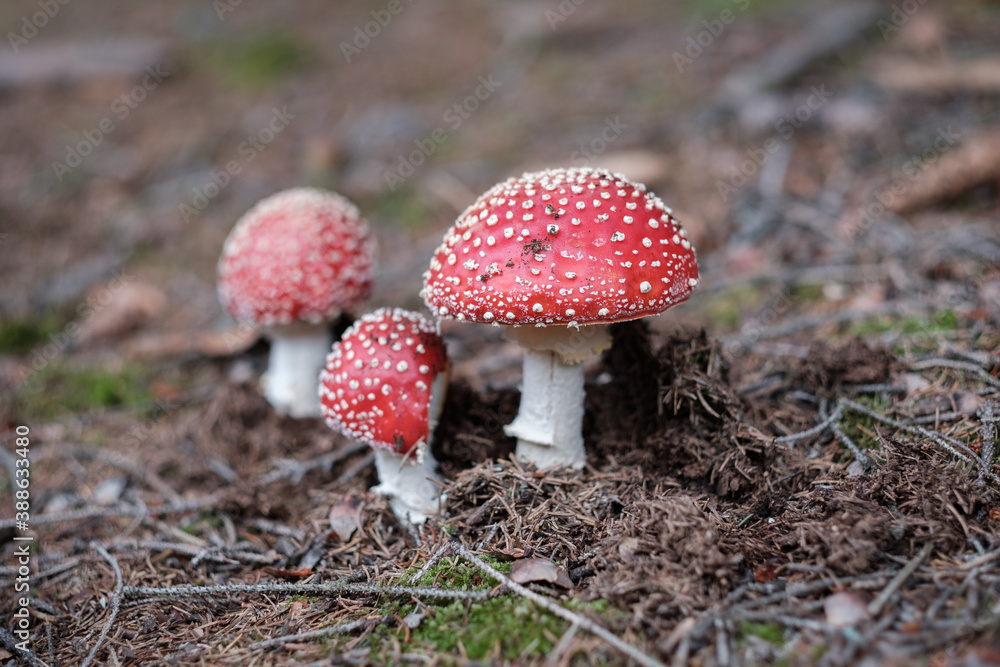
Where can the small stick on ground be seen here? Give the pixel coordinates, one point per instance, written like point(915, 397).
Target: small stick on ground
point(557, 610)
point(875, 606)
point(343, 628)
point(432, 561)
point(333, 587)
point(116, 601)
point(9, 642)
point(988, 432)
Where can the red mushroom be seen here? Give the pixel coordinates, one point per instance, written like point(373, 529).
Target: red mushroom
point(292, 264)
point(558, 255)
point(384, 384)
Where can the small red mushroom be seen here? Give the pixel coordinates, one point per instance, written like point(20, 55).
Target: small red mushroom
point(384, 384)
point(559, 254)
point(291, 265)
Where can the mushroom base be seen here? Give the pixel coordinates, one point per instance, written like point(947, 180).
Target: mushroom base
point(411, 484)
point(298, 354)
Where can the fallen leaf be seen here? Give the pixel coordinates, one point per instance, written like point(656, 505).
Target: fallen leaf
point(118, 308)
point(507, 555)
point(413, 619)
point(345, 516)
point(108, 491)
point(765, 573)
point(845, 609)
point(538, 569)
point(289, 575)
point(628, 547)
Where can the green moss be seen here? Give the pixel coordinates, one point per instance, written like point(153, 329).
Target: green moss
point(807, 293)
point(402, 208)
point(939, 322)
point(855, 424)
point(21, 336)
point(507, 627)
point(772, 633)
point(726, 310)
point(59, 388)
point(460, 576)
point(256, 60)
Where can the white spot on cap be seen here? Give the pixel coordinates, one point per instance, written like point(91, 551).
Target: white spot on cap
point(508, 233)
point(537, 308)
point(424, 369)
point(692, 282)
point(570, 275)
point(490, 241)
point(603, 312)
point(617, 236)
point(510, 315)
point(580, 206)
point(487, 316)
point(645, 287)
point(552, 229)
point(570, 312)
point(654, 223)
point(647, 242)
point(386, 389)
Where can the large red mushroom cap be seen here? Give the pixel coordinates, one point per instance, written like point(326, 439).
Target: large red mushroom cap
point(378, 381)
point(562, 246)
point(300, 255)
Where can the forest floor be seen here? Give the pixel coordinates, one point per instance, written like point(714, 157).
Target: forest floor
point(798, 466)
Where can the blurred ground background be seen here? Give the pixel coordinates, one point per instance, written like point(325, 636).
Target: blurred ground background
point(836, 164)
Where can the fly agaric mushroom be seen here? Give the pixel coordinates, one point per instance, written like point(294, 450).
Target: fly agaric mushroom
point(384, 384)
point(290, 266)
point(558, 255)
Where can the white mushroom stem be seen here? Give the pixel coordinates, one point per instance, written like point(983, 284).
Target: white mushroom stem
point(298, 354)
point(413, 485)
point(549, 422)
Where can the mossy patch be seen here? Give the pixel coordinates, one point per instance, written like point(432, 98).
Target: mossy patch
point(256, 60)
point(772, 633)
point(22, 336)
point(60, 388)
point(938, 322)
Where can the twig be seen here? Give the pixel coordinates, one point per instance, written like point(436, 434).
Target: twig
point(128, 465)
point(949, 444)
point(557, 610)
point(343, 628)
point(355, 469)
point(958, 366)
point(875, 606)
point(988, 431)
point(333, 587)
point(10, 643)
point(295, 471)
point(114, 512)
point(432, 561)
point(815, 430)
point(116, 601)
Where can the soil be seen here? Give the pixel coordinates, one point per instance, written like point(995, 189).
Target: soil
point(796, 467)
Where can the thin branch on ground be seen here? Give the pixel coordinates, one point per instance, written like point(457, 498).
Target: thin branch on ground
point(952, 364)
point(116, 601)
point(331, 588)
point(875, 606)
point(9, 642)
point(558, 610)
point(294, 471)
point(988, 431)
point(121, 511)
point(344, 628)
point(442, 551)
